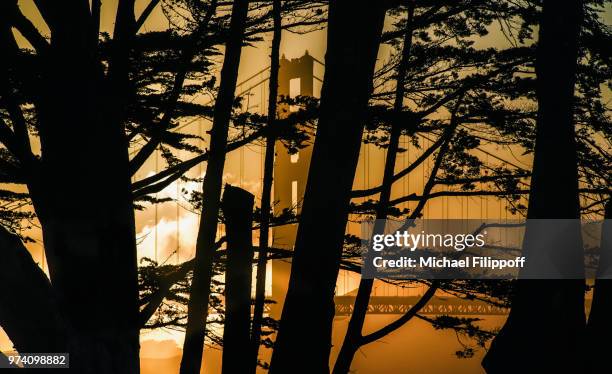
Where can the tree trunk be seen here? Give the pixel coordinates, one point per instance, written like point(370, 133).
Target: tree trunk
point(554, 342)
point(5, 363)
point(205, 245)
point(81, 192)
point(33, 322)
point(599, 327)
point(354, 31)
point(260, 288)
point(237, 208)
point(352, 339)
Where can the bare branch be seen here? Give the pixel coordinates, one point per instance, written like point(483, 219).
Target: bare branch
point(378, 334)
point(161, 180)
point(406, 171)
point(143, 154)
point(145, 14)
point(29, 31)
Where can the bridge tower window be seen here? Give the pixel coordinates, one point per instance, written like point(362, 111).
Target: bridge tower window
point(295, 157)
point(294, 196)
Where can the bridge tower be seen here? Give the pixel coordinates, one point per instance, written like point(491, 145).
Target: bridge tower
point(295, 77)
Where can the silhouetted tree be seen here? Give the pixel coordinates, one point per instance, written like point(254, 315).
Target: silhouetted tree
point(88, 99)
point(305, 327)
point(237, 206)
point(553, 194)
point(266, 192)
point(354, 331)
point(463, 170)
point(79, 107)
point(600, 325)
point(91, 100)
point(442, 21)
point(205, 245)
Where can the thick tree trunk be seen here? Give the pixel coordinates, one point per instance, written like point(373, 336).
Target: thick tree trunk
point(237, 208)
point(266, 193)
point(205, 245)
point(554, 342)
point(599, 327)
point(82, 195)
point(305, 330)
point(85, 208)
point(92, 261)
point(353, 337)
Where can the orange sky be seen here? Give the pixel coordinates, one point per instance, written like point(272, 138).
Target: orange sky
point(169, 227)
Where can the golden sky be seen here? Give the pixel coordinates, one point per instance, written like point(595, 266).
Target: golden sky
point(171, 226)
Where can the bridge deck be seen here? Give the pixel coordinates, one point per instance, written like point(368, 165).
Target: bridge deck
point(401, 304)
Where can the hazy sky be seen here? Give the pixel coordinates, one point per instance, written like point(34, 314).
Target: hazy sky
point(170, 226)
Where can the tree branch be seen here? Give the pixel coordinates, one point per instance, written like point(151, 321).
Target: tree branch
point(486, 178)
point(20, 131)
point(96, 5)
point(145, 14)
point(49, 12)
point(16, 140)
point(29, 31)
point(152, 184)
point(470, 83)
point(378, 334)
point(8, 139)
point(415, 197)
point(143, 154)
point(179, 80)
point(428, 18)
point(166, 283)
point(402, 173)
point(156, 299)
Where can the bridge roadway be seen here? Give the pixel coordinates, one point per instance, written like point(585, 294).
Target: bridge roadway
point(437, 305)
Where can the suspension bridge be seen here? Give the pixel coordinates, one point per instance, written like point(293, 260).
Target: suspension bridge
point(303, 76)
